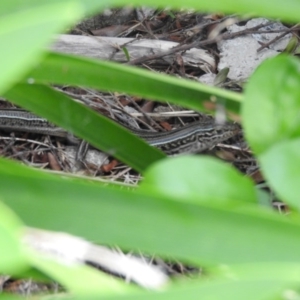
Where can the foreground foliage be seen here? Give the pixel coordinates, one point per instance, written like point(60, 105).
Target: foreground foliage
point(207, 214)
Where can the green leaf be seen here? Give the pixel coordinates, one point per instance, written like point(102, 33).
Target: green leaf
point(263, 271)
point(85, 123)
point(12, 259)
point(148, 222)
point(28, 26)
point(288, 11)
point(9, 297)
point(68, 69)
point(124, 49)
point(29, 30)
point(215, 290)
point(272, 103)
point(292, 45)
point(15, 6)
point(198, 179)
point(281, 167)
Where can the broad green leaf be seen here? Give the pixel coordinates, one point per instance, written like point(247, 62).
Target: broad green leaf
point(155, 222)
point(199, 233)
point(271, 111)
point(263, 271)
point(288, 11)
point(199, 179)
point(281, 168)
point(27, 27)
point(85, 123)
point(25, 31)
point(216, 290)
point(12, 259)
point(9, 297)
point(69, 69)
point(15, 6)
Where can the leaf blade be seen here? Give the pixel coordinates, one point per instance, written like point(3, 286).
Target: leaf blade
point(85, 123)
point(149, 223)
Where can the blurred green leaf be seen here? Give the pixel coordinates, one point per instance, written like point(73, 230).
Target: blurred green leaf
point(292, 45)
point(15, 6)
point(9, 297)
point(281, 168)
point(151, 218)
point(287, 12)
point(272, 103)
point(69, 69)
point(85, 123)
point(126, 53)
point(149, 222)
point(28, 27)
point(28, 30)
point(262, 271)
point(12, 259)
point(216, 290)
point(198, 179)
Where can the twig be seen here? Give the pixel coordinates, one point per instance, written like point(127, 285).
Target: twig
point(278, 37)
point(198, 44)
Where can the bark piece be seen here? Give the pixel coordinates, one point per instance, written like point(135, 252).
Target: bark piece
point(109, 48)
